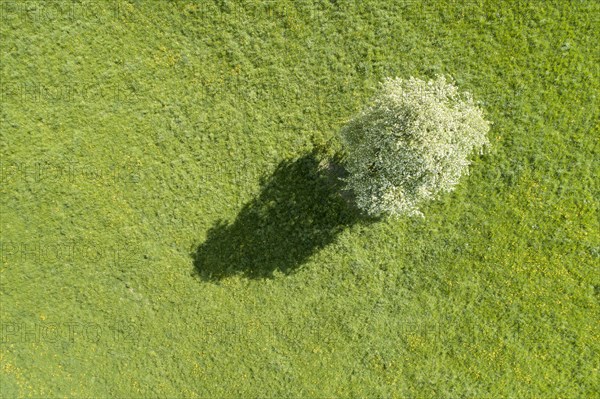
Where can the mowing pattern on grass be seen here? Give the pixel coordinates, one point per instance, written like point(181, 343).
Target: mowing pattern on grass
point(133, 133)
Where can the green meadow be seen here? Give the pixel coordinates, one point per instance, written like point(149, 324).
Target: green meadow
point(167, 227)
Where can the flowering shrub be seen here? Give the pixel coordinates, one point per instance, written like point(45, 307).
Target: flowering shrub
point(410, 145)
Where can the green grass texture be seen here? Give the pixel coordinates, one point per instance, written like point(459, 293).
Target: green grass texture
point(168, 228)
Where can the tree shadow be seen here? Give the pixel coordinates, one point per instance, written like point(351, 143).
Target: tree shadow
point(301, 208)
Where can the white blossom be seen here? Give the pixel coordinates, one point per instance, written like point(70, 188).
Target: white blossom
point(411, 144)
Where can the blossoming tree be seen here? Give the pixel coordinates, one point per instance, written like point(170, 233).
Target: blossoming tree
point(410, 145)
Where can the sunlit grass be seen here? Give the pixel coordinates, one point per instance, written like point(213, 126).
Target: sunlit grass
point(138, 138)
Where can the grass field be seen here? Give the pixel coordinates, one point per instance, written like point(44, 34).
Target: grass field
point(166, 230)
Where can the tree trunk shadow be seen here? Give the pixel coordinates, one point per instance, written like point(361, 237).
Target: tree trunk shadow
point(302, 207)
